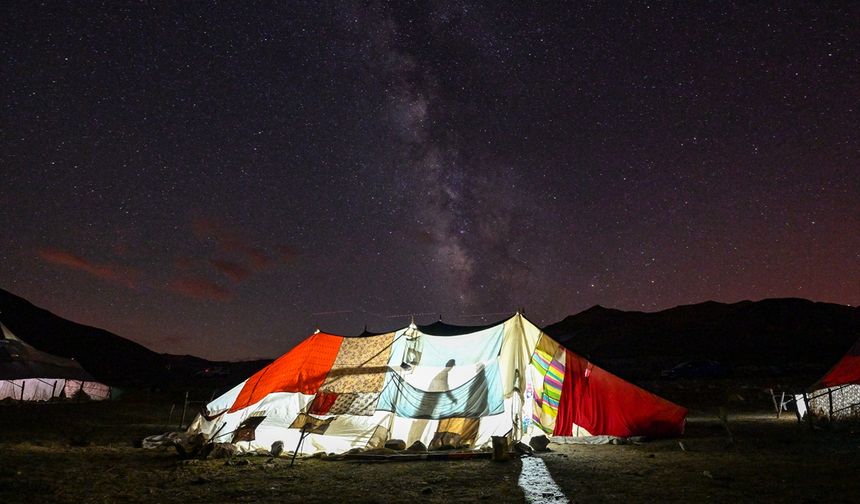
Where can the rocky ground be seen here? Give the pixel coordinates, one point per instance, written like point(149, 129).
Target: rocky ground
point(80, 453)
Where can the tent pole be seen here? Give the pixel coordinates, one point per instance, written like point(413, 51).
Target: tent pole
point(781, 404)
point(773, 398)
point(809, 420)
point(184, 409)
point(296, 451)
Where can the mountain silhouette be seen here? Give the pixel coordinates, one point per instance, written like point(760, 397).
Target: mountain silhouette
point(770, 332)
point(108, 357)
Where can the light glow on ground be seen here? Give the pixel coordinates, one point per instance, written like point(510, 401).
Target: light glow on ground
point(537, 483)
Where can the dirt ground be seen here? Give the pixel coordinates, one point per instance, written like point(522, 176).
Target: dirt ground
point(82, 453)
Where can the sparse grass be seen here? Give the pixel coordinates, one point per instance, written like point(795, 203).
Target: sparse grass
point(82, 453)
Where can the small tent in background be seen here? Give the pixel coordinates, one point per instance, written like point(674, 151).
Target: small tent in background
point(836, 396)
point(438, 384)
point(27, 374)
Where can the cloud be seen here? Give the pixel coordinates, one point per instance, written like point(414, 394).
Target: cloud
point(231, 269)
point(231, 242)
point(114, 273)
point(199, 288)
point(227, 239)
point(258, 258)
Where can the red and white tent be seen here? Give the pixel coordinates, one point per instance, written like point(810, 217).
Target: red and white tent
point(438, 384)
point(836, 395)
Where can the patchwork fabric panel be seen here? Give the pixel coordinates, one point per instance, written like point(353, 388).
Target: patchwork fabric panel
point(548, 360)
point(302, 369)
point(354, 403)
point(466, 428)
point(311, 424)
point(360, 365)
point(479, 396)
point(322, 403)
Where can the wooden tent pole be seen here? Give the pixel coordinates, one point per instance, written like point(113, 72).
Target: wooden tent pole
point(184, 409)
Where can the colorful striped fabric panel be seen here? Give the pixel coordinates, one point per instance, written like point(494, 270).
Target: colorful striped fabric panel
point(548, 360)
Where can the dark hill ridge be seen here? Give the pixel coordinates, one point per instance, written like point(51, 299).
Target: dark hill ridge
point(110, 358)
point(769, 332)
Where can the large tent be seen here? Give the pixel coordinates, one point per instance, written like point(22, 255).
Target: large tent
point(438, 384)
point(28, 374)
point(836, 396)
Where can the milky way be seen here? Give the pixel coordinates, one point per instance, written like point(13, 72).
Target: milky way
point(222, 179)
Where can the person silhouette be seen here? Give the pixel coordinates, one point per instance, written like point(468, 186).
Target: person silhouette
point(479, 392)
point(430, 402)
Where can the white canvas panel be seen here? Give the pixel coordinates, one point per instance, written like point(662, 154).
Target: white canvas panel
point(32, 389)
point(95, 391)
point(225, 400)
point(411, 430)
point(441, 379)
point(520, 339)
point(417, 348)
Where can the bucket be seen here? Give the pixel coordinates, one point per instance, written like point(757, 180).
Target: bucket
point(501, 449)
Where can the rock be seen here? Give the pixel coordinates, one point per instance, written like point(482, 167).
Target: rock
point(237, 462)
point(427, 490)
point(417, 446)
point(446, 441)
point(223, 450)
point(395, 444)
point(539, 443)
point(189, 446)
point(277, 448)
point(522, 448)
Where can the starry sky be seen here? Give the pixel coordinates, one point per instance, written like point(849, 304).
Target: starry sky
point(221, 178)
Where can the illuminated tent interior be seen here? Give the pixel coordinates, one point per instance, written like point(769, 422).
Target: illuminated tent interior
point(836, 396)
point(28, 374)
point(438, 384)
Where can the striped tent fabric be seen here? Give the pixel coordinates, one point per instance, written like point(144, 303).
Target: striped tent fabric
point(548, 361)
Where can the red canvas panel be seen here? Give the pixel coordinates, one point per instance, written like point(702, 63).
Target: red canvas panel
point(604, 404)
point(302, 369)
point(846, 371)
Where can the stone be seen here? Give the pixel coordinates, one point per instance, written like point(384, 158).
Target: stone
point(539, 443)
point(395, 444)
point(417, 446)
point(446, 441)
point(190, 447)
point(223, 450)
point(277, 448)
point(522, 448)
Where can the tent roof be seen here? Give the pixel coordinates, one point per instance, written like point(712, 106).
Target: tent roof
point(19, 361)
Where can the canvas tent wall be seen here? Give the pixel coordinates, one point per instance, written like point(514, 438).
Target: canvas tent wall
point(836, 396)
point(437, 384)
point(28, 374)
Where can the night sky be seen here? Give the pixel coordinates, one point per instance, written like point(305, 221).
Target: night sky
point(219, 179)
